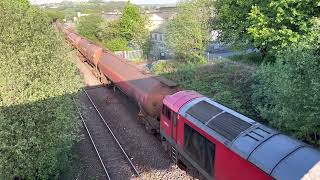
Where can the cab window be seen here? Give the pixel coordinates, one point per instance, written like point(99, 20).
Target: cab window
point(200, 149)
point(166, 111)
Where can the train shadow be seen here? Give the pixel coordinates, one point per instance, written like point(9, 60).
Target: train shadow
point(121, 112)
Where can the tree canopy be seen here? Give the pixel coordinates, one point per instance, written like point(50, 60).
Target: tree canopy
point(275, 25)
point(188, 33)
point(267, 25)
point(38, 120)
point(231, 19)
point(132, 26)
point(88, 26)
point(286, 92)
point(110, 37)
point(129, 32)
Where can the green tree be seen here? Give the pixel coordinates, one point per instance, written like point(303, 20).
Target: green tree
point(55, 15)
point(267, 25)
point(110, 37)
point(133, 26)
point(38, 120)
point(109, 30)
point(231, 19)
point(188, 33)
point(88, 26)
point(116, 44)
point(277, 24)
point(286, 92)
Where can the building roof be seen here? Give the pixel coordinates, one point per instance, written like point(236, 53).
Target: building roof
point(111, 17)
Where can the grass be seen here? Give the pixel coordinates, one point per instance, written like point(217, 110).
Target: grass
point(253, 58)
point(226, 82)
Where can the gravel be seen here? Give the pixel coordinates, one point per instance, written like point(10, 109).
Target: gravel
point(121, 114)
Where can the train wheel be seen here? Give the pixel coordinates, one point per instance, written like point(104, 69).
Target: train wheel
point(166, 146)
point(104, 80)
point(97, 73)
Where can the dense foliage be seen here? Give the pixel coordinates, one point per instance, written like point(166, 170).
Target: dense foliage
point(274, 25)
point(132, 26)
point(38, 119)
point(232, 21)
point(226, 82)
point(188, 33)
point(267, 25)
point(287, 92)
point(129, 32)
point(88, 27)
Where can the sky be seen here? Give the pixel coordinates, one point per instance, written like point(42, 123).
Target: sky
point(133, 1)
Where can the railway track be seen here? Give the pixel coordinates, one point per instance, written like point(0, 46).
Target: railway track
point(113, 158)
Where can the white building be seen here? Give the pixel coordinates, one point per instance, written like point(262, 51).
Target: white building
point(157, 27)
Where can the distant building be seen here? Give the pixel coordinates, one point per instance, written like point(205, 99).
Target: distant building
point(157, 27)
point(79, 14)
point(158, 20)
point(112, 15)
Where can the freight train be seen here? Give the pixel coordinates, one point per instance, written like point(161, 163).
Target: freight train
point(198, 131)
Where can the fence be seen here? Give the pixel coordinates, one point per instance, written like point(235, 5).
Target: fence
point(131, 55)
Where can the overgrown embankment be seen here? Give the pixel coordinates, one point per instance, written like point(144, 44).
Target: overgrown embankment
point(284, 94)
point(227, 82)
point(38, 119)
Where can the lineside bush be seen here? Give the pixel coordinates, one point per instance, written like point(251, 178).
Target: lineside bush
point(129, 32)
point(88, 27)
point(227, 82)
point(287, 93)
point(38, 119)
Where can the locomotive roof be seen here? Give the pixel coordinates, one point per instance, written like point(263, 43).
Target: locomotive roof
point(177, 100)
point(276, 154)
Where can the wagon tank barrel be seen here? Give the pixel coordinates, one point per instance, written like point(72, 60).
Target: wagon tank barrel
point(148, 91)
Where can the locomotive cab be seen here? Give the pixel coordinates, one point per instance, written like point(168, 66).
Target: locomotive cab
point(169, 118)
point(223, 144)
point(169, 122)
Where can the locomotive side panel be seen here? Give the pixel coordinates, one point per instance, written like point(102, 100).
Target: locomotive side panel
point(227, 164)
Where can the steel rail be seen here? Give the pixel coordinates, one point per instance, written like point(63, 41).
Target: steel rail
point(114, 137)
point(92, 141)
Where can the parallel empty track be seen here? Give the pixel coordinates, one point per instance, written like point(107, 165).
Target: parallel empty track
point(115, 161)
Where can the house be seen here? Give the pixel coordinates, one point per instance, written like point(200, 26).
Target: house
point(79, 15)
point(159, 19)
point(112, 15)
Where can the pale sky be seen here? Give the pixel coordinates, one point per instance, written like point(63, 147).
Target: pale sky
point(133, 1)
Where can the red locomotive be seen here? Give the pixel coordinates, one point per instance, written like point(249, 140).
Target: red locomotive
point(223, 144)
point(219, 142)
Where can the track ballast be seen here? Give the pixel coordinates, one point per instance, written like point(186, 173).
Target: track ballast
point(114, 160)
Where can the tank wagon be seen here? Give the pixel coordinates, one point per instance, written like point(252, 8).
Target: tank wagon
point(147, 90)
point(199, 132)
